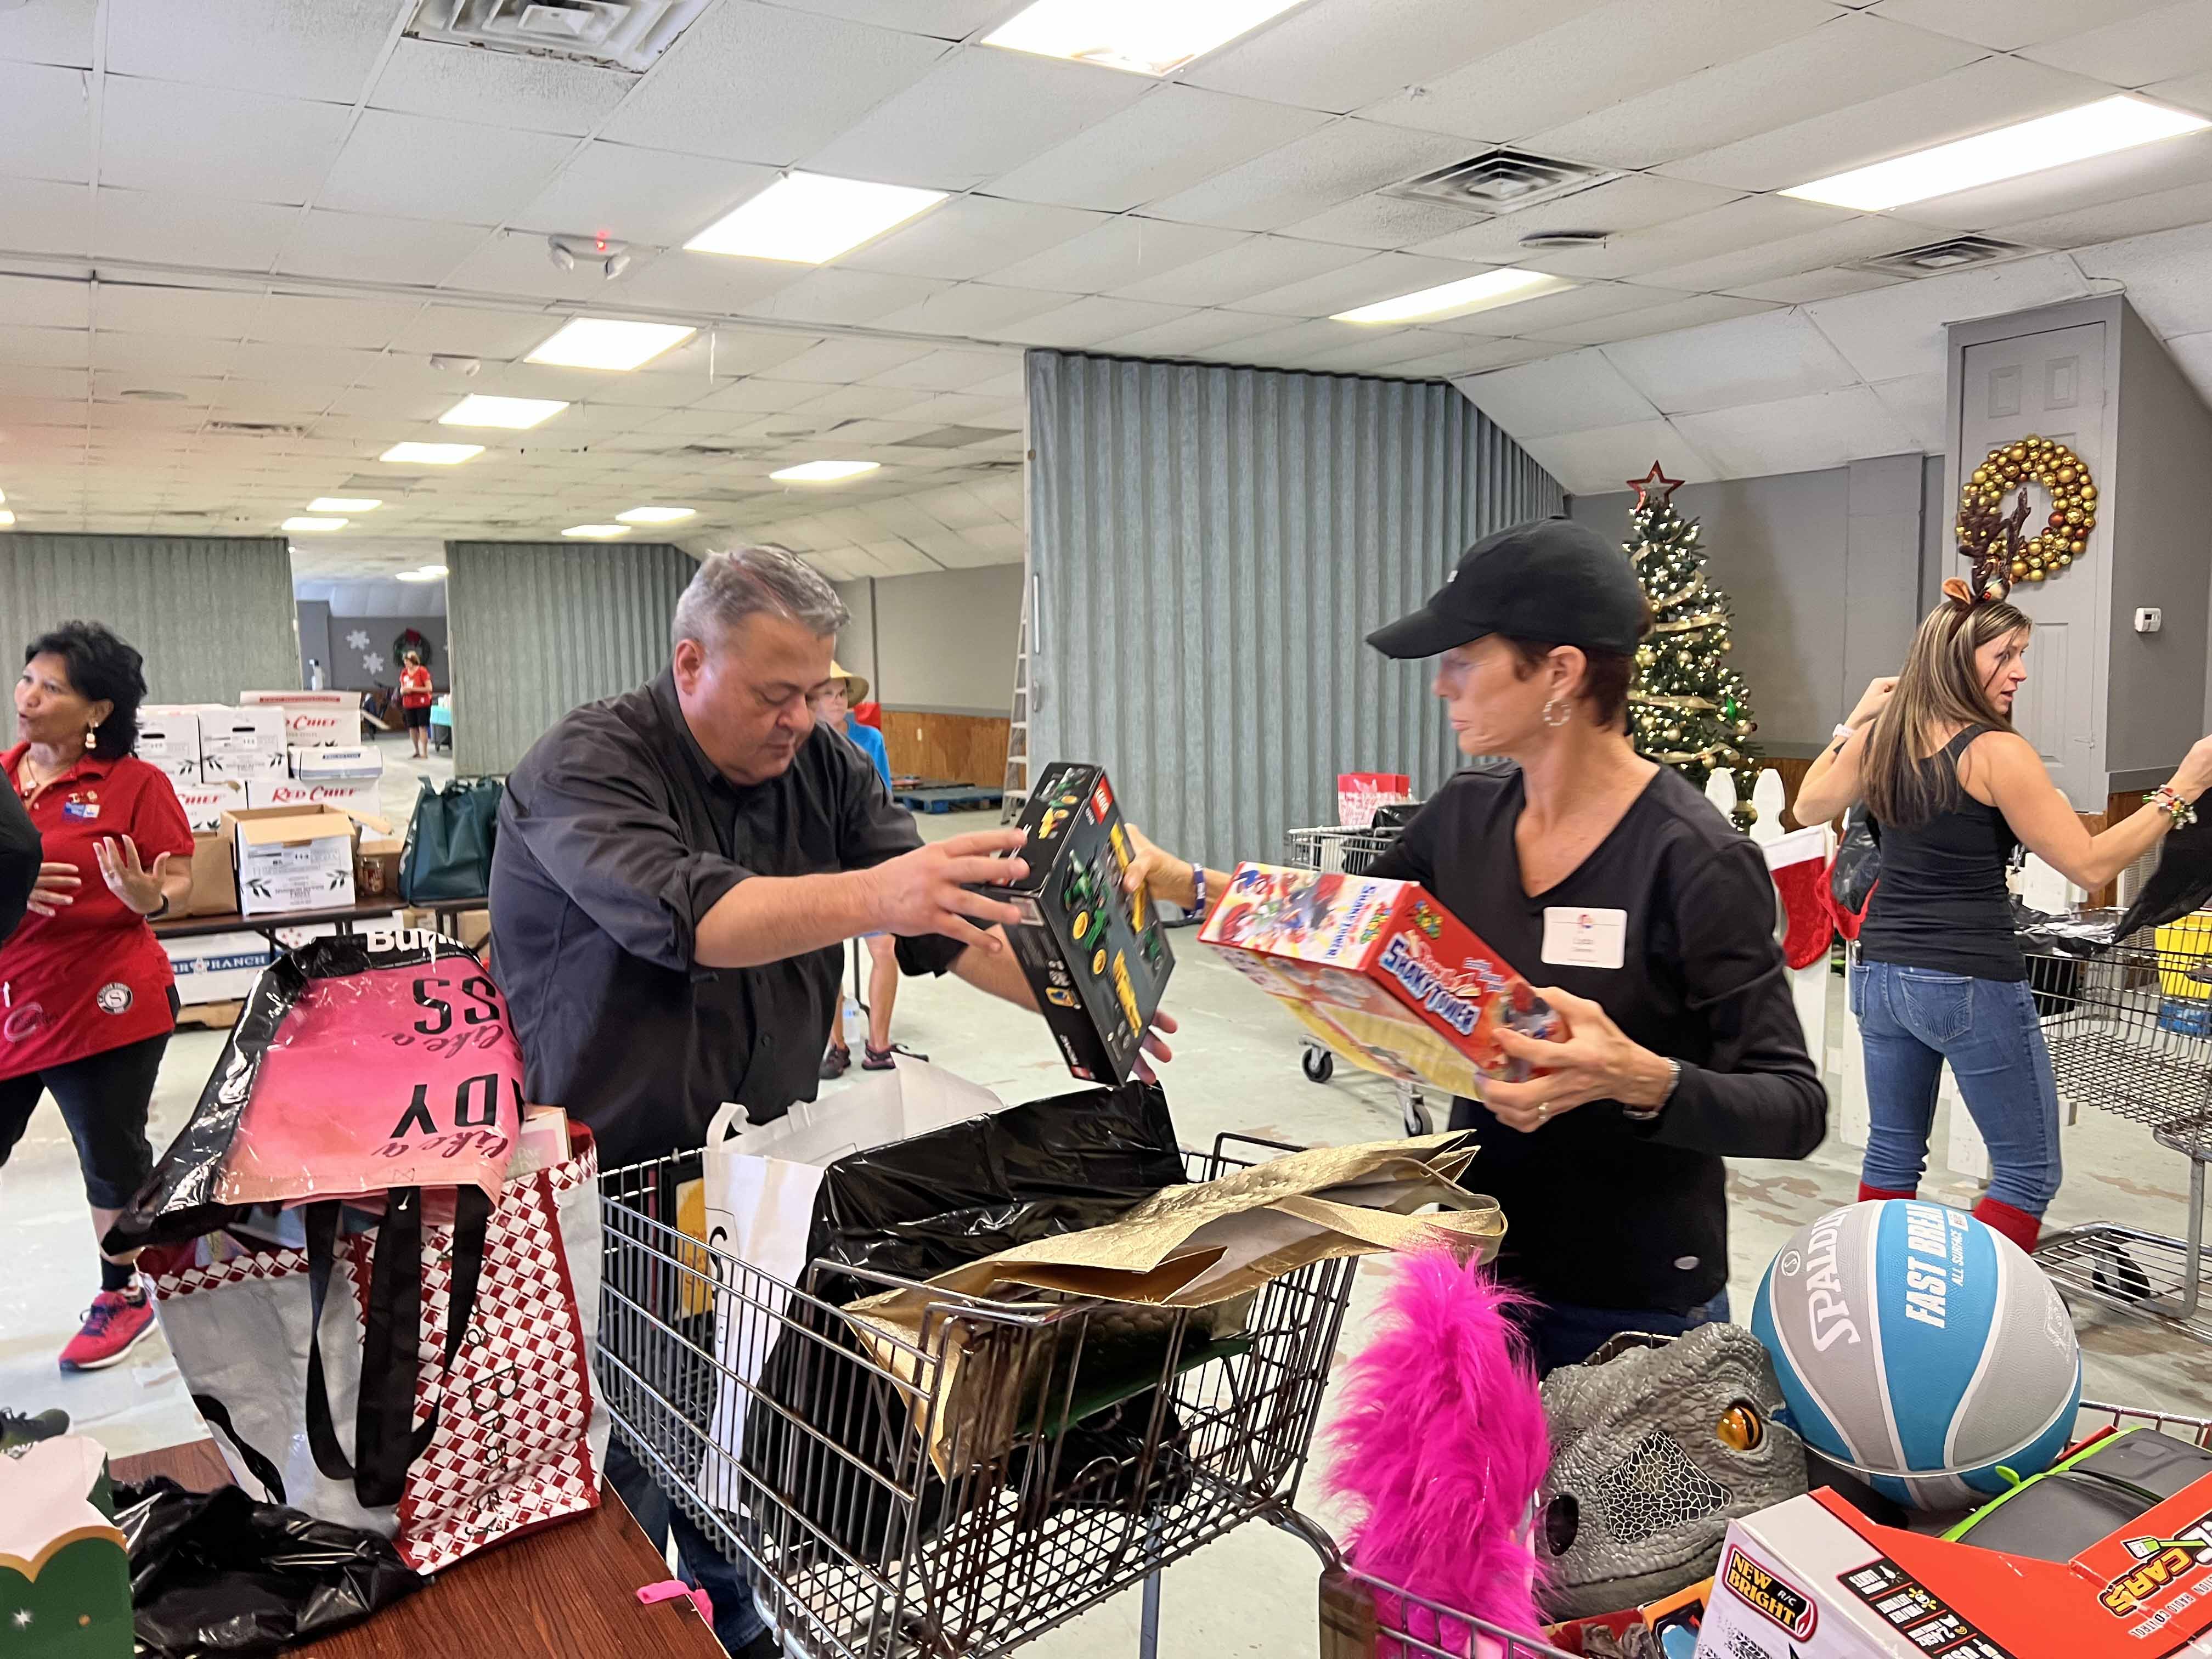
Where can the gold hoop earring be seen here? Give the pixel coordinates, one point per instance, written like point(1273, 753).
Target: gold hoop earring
point(1556, 713)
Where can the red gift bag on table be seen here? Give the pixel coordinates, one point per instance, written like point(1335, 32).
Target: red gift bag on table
point(383, 1330)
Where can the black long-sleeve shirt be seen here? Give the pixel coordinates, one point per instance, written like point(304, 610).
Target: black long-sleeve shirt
point(615, 837)
point(1601, 1211)
point(19, 857)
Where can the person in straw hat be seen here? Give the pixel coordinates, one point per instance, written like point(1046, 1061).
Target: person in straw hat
point(833, 708)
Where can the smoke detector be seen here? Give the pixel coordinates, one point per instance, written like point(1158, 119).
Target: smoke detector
point(611, 256)
point(1502, 181)
point(629, 34)
point(446, 363)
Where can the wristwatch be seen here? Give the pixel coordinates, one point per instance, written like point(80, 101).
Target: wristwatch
point(1645, 1114)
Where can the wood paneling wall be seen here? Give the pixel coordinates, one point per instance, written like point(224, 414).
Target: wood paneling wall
point(960, 748)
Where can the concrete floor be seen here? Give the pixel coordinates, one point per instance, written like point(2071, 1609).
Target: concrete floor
point(1238, 1070)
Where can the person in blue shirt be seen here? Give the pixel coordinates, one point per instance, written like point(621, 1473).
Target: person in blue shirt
point(833, 706)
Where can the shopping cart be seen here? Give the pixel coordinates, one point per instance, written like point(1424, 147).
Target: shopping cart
point(1092, 1448)
point(1352, 850)
point(2129, 1030)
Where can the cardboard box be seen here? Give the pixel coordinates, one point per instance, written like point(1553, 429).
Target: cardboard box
point(1814, 1578)
point(1381, 972)
point(205, 804)
point(1096, 958)
point(292, 858)
point(298, 699)
point(220, 967)
point(241, 744)
point(312, 718)
point(169, 737)
point(214, 873)
point(364, 796)
point(359, 760)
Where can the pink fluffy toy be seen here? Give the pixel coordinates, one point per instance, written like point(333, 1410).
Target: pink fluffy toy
point(1440, 1448)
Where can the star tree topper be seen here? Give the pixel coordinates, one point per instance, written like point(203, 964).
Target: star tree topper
point(1654, 487)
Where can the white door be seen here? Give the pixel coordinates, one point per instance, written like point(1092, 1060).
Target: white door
point(2051, 384)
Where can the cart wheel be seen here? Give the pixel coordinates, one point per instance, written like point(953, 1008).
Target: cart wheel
point(1415, 1111)
point(2116, 1273)
point(1320, 1065)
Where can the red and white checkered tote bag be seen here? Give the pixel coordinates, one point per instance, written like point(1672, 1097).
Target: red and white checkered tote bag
point(500, 1429)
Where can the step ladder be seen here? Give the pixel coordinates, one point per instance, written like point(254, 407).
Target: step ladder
point(1017, 726)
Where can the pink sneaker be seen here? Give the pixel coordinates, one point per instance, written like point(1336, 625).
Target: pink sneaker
point(115, 1324)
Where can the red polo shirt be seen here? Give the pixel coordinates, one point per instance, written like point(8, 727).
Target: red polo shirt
point(93, 977)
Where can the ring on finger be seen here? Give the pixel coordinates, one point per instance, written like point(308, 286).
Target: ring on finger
point(1543, 1111)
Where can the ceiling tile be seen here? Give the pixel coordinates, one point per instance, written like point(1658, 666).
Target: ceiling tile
point(1167, 140)
point(733, 351)
point(1379, 220)
point(1680, 313)
point(1087, 321)
point(831, 295)
point(2134, 216)
point(1747, 221)
point(499, 88)
point(319, 49)
point(370, 248)
point(1917, 404)
point(309, 320)
point(244, 146)
point(982, 309)
point(466, 332)
point(2192, 92)
point(194, 313)
point(978, 112)
point(1752, 360)
point(948, 20)
point(162, 360)
point(45, 302)
point(657, 197)
point(2105, 181)
point(1252, 266)
point(1196, 331)
point(1591, 59)
point(1378, 276)
point(46, 122)
point(970, 236)
point(1573, 304)
point(842, 361)
point(44, 381)
point(1375, 351)
point(165, 227)
point(2010, 25)
point(1309, 175)
point(1796, 435)
point(1596, 462)
point(1846, 62)
point(1472, 357)
point(1808, 286)
point(1286, 346)
point(2164, 274)
point(55, 32)
point(1855, 239)
point(1635, 201)
point(1576, 389)
point(726, 88)
point(415, 167)
point(1892, 332)
point(1992, 93)
point(701, 283)
point(333, 367)
point(1337, 55)
point(1117, 253)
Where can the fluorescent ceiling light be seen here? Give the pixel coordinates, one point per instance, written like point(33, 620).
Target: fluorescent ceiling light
point(4, 496)
point(6, 518)
point(656, 515)
point(807, 217)
point(420, 575)
point(2048, 141)
point(433, 454)
point(1147, 37)
point(342, 504)
point(296, 525)
point(597, 532)
point(823, 471)
point(518, 413)
point(603, 342)
point(1501, 286)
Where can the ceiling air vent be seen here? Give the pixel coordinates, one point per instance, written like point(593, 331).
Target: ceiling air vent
point(620, 34)
point(1537, 241)
point(707, 452)
point(258, 428)
point(953, 437)
point(1954, 253)
point(1502, 181)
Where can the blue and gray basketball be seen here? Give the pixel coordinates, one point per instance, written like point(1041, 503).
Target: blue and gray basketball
point(1920, 1348)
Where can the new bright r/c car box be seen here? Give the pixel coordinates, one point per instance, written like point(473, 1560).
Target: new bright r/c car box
point(1381, 972)
point(1097, 956)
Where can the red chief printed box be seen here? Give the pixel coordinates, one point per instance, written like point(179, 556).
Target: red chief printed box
point(1381, 972)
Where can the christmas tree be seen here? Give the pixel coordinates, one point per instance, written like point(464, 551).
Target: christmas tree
point(1687, 708)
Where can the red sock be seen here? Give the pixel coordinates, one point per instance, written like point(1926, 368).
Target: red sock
point(1875, 1194)
point(2017, 1225)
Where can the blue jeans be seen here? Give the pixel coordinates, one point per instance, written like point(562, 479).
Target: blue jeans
point(1566, 1333)
point(737, 1620)
point(1913, 1019)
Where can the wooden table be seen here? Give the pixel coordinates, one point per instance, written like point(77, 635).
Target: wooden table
point(568, 1592)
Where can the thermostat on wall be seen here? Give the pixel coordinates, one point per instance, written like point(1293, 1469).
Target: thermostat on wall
point(2149, 619)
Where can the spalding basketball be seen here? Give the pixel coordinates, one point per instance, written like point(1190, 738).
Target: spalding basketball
point(1921, 1349)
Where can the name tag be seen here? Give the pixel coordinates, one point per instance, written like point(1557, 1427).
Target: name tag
point(1584, 938)
point(81, 809)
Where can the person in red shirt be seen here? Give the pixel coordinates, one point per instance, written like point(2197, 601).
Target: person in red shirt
point(87, 998)
point(415, 697)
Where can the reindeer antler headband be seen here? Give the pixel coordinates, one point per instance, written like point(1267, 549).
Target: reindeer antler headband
point(1991, 582)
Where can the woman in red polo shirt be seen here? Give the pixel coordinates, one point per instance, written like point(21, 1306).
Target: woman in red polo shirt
point(87, 998)
point(415, 697)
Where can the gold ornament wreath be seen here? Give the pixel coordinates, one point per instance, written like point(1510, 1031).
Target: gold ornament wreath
point(2064, 535)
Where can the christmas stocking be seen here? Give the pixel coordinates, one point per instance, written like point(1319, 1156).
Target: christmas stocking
point(1799, 865)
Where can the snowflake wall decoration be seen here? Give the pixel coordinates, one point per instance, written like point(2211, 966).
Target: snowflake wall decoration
point(373, 662)
point(358, 639)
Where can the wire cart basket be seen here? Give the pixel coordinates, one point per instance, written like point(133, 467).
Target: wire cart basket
point(1089, 1446)
point(2129, 1030)
point(1352, 850)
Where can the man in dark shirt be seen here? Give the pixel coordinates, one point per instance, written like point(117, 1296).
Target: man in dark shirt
point(19, 860)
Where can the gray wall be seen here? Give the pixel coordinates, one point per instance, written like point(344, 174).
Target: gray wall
point(537, 628)
point(2160, 544)
point(211, 614)
point(314, 637)
point(944, 641)
point(1211, 547)
point(346, 668)
point(1822, 570)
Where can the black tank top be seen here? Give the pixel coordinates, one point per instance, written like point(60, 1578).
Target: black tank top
point(1942, 902)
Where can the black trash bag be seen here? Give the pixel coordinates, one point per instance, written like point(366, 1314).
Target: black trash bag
point(916, 1208)
point(2181, 884)
point(219, 1572)
point(1855, 870)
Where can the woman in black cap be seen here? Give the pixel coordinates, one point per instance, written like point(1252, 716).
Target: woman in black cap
point(1643, 916)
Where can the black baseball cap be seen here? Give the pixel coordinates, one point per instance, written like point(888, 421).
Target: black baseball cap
point(1552, 581)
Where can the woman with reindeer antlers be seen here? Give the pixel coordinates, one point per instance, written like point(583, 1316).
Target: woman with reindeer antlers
point(1952, 789)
